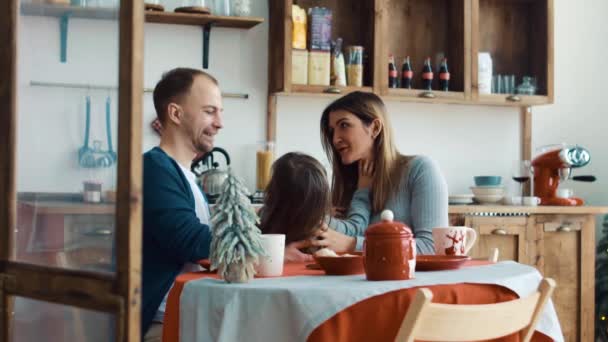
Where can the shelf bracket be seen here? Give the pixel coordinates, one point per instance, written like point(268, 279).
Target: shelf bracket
point(63, 32)
point(206, 36)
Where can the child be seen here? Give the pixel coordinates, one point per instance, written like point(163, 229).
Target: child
point(297, 198)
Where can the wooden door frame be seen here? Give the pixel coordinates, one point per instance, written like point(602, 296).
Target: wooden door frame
point(119, 293)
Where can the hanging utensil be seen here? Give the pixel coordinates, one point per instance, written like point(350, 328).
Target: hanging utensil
point(85, 154)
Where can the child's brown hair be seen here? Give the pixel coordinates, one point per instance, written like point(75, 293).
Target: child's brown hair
point(297, 198)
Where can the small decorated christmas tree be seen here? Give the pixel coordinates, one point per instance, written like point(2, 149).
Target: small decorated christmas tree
point(601, 286)
point(235, 244)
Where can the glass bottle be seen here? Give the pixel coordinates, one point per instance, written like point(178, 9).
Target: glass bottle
point(444, 76)
point(392, 72)
point(427, 75)
point(406, 74)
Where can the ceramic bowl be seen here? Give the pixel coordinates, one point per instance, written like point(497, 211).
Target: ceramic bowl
point(487, 190)
point(488, 199)
point(487, 180)
point(342, 265)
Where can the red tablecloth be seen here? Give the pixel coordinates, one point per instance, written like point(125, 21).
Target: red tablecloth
point(374, 319)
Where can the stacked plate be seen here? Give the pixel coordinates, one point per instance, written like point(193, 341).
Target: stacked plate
point(460, 199)
point(488, 194)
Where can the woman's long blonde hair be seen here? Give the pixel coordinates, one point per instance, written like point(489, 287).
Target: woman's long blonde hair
point(388, 162)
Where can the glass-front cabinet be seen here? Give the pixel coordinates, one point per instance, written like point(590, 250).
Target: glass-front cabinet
point(71, 152)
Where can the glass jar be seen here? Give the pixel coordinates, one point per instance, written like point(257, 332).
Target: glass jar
point(526, 87)
point(264, 159)
point(220, 7)
point(241, 8)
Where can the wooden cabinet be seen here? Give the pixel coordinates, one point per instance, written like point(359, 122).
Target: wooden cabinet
point(517, 33)
point(558, 241)
point(519, 37)
point(568, 256)
point(505, 233)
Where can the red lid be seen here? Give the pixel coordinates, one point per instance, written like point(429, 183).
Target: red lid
point(388, 227)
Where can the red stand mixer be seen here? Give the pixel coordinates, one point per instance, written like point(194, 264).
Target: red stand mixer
point(554, 164)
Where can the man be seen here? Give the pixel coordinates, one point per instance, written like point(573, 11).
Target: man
point(176, 229)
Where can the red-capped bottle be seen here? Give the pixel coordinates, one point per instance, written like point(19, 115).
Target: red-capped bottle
point(427, 75)
point(406, 74)
point(392, 72)
point(444, 76)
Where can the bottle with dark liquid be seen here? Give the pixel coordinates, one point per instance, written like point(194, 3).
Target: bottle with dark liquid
point(444, 76)
point(392, 72)
point(406, 74)
point(427, 75)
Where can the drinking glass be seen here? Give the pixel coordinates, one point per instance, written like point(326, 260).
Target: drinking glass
point(521, 173)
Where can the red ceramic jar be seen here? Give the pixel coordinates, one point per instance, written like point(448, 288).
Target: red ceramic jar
point(389, 250)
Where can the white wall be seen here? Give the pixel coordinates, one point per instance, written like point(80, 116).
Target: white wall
point(580, 112)
point(51, 120)
point(461, 138)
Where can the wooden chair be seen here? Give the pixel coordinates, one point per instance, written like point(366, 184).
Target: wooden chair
point(492, 256)
point(448, 322)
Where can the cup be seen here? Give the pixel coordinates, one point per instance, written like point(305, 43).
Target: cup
point(564, 193)
point(454, 240)
point(513, 200)
point(530, 201)
point(271, 265)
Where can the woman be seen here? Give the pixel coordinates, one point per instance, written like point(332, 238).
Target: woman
point(357, 137)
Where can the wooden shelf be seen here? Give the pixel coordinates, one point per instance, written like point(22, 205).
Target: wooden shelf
point(513, 100)
point(197, 19)
point(518, 34)
point(50, 10)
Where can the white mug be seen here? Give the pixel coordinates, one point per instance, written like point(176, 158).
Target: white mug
point(271, 265)
point(531, 201)
point(453, 240)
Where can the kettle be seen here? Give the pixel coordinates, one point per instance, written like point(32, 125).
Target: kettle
point(212, 179)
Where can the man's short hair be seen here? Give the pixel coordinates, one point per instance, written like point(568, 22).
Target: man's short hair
point(173, 84)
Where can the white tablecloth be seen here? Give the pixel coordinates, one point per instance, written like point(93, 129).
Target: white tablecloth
point(290, 308)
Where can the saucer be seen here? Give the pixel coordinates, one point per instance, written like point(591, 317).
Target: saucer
point(440, 262)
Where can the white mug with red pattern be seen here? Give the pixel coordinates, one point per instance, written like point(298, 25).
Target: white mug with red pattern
point(453, 240)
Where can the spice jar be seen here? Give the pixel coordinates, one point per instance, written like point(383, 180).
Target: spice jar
point(91, 192)
point(389, 250)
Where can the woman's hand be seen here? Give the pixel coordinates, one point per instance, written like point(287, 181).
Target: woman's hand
point(293, 254)
point(366, 174)
point(335, 241)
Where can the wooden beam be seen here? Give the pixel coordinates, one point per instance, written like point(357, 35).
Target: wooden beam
point(526, 141)
point(550, 52)
point(271, 118)
point(129, 197)
point(8, 114)
point(380, 80)
point(57, 285)
point(8, 99)
point(472, 11)
point(587, 280)
point(468, 15)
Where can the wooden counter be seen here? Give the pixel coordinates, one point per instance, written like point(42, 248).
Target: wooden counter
point(558, 241)
point(542, 209)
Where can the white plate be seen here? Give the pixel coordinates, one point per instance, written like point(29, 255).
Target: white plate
point(488, 199)
point(460, 199)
